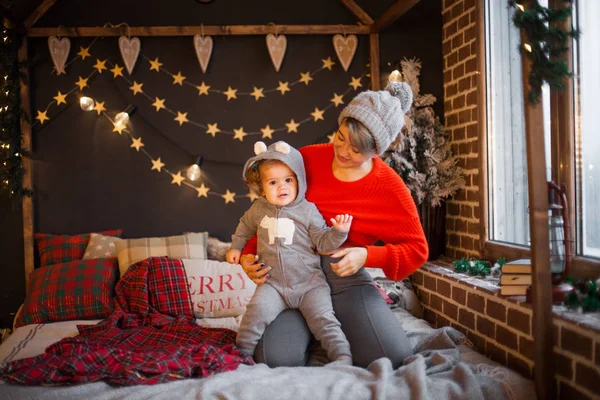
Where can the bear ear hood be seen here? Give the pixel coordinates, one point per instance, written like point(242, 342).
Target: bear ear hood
point(285, 153)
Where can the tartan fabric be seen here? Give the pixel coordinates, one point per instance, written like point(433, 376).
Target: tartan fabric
point(136, 344)
point(80, 289)
point(189, 246)
point(57, 249)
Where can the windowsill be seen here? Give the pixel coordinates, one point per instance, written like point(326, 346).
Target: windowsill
point(490, 286)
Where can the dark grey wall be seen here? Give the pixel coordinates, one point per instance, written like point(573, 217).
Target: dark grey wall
point(87, 178)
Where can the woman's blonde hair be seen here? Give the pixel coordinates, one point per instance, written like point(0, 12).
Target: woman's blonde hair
point(252, 175)
point(360, 136)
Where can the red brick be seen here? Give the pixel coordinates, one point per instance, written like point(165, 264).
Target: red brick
point(587, 377)
point(464, 52)
point(430, 316)
point(475, 181)
point(460, 328)
point(477, 246)
point(470, 34)
point(454, 240)
point(496, 310)
point(461, 225)
point(430, 282)
point(473, 228)
point(450, 224)
point(472, 131)
point(424, 297)
point(466, 211)
point(463, 21)
point(477, 340)
point(444, 288)
point(495, 353)
point(447, 106)
point(519, 365)
point(471, 65)
point(466, 318)
point(472, 163)
point(452, 59)
point(446, 47)
point(519, 320)
point(563, 365)
point(468, 4)
point(451, 310)
point(442, 321)
point(435, 302)
point(453, 209)
point(568, 392)
point(457, 41)
point(459, 295)
point(457, 10)
point(464, 117)
point(459, 102)
point(451, 90)
point(466, 243)
point(417, 277)
point(464, 84)
point(458, 71)
point(473, 51)
point(447, 16)
point(451, 29)
point(472, 98)
point(486, 327)
point(506, 337)
point(576, 343)
point(525, 347)
point(447, 76)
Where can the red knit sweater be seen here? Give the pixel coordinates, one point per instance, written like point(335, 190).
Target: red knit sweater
point(381, 205)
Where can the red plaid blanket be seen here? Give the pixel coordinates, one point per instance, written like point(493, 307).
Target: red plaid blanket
point(150, 338)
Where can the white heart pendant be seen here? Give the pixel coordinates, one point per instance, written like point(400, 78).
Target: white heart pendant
point(130, 49)
point(203, 47)
point(277, 46)
point(59, 51)
point(345, 47)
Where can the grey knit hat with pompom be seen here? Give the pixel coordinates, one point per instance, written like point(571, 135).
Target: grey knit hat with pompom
point(381, 112)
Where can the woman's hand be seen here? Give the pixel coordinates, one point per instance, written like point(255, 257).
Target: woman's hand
point(353, 259)
point(256, 271)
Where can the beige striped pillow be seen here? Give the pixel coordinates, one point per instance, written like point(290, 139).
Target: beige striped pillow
point(189, 246)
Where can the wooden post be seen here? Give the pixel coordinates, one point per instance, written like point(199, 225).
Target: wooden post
point(27, 203)
point(562, 125)
point(543, 374)
point(374, 52)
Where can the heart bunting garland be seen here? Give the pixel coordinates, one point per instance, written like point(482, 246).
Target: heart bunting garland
point(277, 45)
point(345, 47)
point(203, 46)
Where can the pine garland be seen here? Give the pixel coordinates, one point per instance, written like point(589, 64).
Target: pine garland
point(476, 267)
point(11, 152)
point(547, 43)
point(585, 297)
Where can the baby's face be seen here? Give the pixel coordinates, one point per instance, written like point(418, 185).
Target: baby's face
point(279, 184)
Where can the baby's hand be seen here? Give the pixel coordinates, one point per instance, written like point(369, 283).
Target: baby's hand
point(342, 222)
point(233, 256)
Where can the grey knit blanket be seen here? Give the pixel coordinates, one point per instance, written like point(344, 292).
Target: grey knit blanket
point(433, 372)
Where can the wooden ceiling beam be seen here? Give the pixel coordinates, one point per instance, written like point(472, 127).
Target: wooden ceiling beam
point(393, 13)
point(358, 12)
point(214, 30)
point(39, 12)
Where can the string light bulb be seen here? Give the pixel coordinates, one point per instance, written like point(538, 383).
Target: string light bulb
point(86, 103)
point(520, 6)
point(122, 118)
point(395, 76)
point(528, 47)
point(194, 171)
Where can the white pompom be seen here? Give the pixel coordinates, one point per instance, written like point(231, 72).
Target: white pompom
point(282, 147)
point(259, 147)
point(403, 92)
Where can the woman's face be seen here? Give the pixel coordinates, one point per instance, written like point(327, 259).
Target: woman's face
point(346, 154)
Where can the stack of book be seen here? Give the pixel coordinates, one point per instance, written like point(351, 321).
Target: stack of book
point(515, 278)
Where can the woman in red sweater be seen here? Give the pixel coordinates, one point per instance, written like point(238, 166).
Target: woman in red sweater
point(349, 177)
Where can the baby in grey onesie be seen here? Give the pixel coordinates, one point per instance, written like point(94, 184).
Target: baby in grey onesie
point(289, 230)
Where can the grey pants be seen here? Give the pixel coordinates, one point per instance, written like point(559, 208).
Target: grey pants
point(314, 305)
point(367, 321)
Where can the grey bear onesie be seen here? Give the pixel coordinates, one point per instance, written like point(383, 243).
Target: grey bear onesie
point(287, 237)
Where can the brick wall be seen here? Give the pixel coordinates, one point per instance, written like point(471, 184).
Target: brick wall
point(459, 35)
point(501, 328)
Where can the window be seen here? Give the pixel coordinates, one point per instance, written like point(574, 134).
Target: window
point(508, 200)
point(587, 126)
point(507, 190)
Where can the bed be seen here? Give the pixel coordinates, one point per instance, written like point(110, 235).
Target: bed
point(444, 365)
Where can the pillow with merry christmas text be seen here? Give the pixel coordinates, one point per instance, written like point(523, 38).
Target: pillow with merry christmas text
point(218, 289)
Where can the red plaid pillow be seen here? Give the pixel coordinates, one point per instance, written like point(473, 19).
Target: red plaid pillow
point(80, 289)
point(58, 249)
